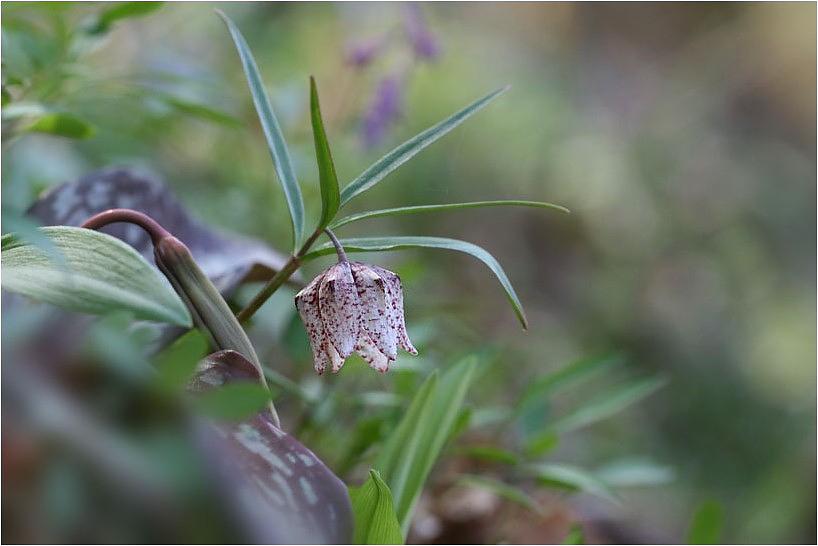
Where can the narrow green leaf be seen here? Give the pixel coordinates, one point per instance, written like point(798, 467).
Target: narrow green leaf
point(272, 131)
point(609, 403)
point(409, 454)
point(121, 10)
point(234, 401)
point(403, 153)
point(374, 513)
point(100, 274)
point(448, 206)
point(372, 244)
point(198, 110)
point(576, 372)
point(635, 473)
point(328, 180)
point(61, 124)
point(504, 490)
point(705, 525)
point(491, 453)
point(571, 477)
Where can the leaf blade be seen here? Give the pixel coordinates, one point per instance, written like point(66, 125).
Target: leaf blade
point(374, 513)
point(410, 453)
point(404, 152)
point(372, 244)
point(272, 131)
point(100, 274)
point(327, 177)
point(447, 206)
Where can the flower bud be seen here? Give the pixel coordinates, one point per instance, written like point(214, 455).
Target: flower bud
point(354, 307)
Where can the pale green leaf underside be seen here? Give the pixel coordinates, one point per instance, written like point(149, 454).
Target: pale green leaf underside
point(436, 208)
point(403, 153)
point(98, 274)
point(573, 478)
point(374, 512)
point(272, 131)
point(372, 244)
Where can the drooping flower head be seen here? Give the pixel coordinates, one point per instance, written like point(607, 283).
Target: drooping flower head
point(354, 307)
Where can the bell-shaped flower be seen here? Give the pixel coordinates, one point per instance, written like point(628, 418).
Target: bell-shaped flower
point(354, 307)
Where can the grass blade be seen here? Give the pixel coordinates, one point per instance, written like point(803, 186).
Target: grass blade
point(410, 453)
point(609, 403)
point(272, 131)
point(448, 206)
point(372, 244)
point(403, 153)
point(328, 180)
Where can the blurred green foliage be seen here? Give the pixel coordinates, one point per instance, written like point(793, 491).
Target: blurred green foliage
point(681, 137)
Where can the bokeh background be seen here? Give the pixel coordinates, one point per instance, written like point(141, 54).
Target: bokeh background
point(682, 137)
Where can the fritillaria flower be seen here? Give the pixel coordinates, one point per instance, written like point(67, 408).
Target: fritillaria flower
point(354, 307)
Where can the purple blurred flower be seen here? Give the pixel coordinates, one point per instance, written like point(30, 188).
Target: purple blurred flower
point(383, 110)
point(363, 53)
point(423, 41)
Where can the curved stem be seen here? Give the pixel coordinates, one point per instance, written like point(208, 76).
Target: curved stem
point(342, 256)
point(144, 221)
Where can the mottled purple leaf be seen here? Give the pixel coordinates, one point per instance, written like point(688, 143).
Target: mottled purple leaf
point(228, 260)
point(278, 490)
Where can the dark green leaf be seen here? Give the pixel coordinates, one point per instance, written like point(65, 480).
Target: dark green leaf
point(374, 513)
point(408, 149)
point(371, 244)
point(491, 453)
point(177, 362)
point(572, 478)
point(705, 525)
point(101, 274)
point(272, 131)
point(61, 124)
point(234, 401)
point(609, 403)
point(330, 195)
point(435, 208)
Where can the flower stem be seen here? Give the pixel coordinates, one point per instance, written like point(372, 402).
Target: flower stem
point(285, 272)
point(342, 256)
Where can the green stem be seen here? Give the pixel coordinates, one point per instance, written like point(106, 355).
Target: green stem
point(278, 279)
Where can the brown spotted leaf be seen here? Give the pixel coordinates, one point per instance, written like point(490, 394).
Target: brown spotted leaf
point(228, 260)
point(277, 489)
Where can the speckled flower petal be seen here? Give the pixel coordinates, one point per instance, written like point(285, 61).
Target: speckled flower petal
point(370, 353)
point(306, 302)
point(393, 292)
point(374, 309)
point(340, 308)
point(335, 359)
